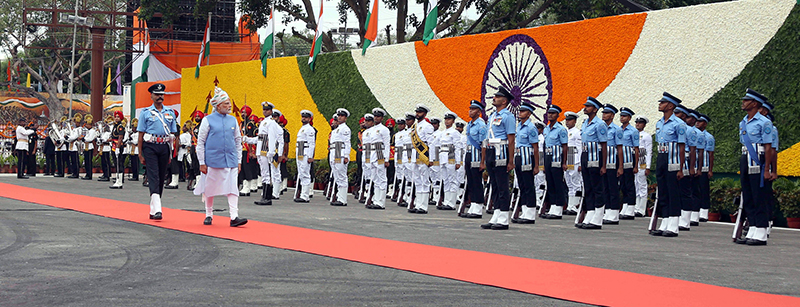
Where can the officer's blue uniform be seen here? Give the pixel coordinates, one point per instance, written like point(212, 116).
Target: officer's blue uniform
point(630, 141)
point(670, 134)
point(476, 133)
point(156, 152)
point(555, 137)
point(501, 124)
point(611, 182)
point(594, 137)
point(756, 131)
point(527, 137)
point(704, 181)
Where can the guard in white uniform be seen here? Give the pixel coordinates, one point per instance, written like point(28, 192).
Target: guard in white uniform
point(306, 144)
point(399, 168)
point(409, 162)
point(461, 174)
point(435, 165)
point(449, 161)
point(539, 180)
point(104, 142)
point(88, 139)
point(645, 156)
point(340, 155)
point(23, 134)
point(378, 160)
point(74, 147)
point(421, 138)
point(573, 175)
point(269, 146)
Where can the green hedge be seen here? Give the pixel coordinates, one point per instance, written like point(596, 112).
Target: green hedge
point(336, 83)
point(774, 72)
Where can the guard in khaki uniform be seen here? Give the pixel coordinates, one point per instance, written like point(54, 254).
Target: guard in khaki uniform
point(306, 144)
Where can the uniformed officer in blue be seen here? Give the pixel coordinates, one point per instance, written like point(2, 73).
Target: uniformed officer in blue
point(756, 136)
point(671, 138)
point(593, 167)
point(497, 156)
point(556, 140)
point(630, 161)
point(685, 185)
point(699, 152)
point(613, 167)
point(476, 133)
point(526, 161)
point(766, 110)
point(157, 135)
point(706, 168)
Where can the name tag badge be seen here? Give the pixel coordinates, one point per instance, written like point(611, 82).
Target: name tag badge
point(497, 121)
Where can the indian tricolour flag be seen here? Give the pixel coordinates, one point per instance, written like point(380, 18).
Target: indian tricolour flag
point(316, 45)
point(372, 27)
point(145, 55)
point(268, 42)
point(205, 48)
point(431, 17)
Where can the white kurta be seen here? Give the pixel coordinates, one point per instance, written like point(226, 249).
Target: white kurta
point(217, 181)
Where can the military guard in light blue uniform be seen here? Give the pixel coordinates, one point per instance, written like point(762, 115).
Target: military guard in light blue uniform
point(671, 138)
point(613, 167)
point(699, 152)
point(630, 163)
point(476, 133)
point(593, 167)
point(526, 159)
point(766, 110)
point(756, 134)
point(685, 185)
point(498, 153)
point(706, 168)
point(556, 140)
point(158, 131)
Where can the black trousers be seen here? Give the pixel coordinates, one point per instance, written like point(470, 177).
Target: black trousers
point(627, 186)
point(556, 187)
point(134, 166)
point(696, 197)
point(593, 187)
point(705, 192)
point(669, 196)
point(87, 162)
point(22, 157)
point(755, 197)
point(612, 188)
point(105, 164)
point(74, 162)
point(250, 168)
point(527, 190)
point(156, 158)
point(49, 163)
point(687, 198)
point(499, 181)
point(474, 181)
point(60, 162)
point(31, 163)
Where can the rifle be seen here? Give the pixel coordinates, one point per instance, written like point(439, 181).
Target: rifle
point(515, 207)
point(402, 193)
point(545, 207)
point(738, 228)
point(654, 217)
point(413, 196)
point(487, 195)
point(329, 186)
point(390, 187)
point(462, 196)
point(581, 209)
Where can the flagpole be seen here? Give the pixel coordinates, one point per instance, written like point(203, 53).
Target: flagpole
point(272, 12)
point(72, 62)
point(208, 58)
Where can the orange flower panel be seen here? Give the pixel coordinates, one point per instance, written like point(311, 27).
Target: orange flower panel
point(584, 57)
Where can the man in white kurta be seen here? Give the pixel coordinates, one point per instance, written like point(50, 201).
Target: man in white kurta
point(269, 146)
point(219, 151)
point(306, 141)
point(340, 156)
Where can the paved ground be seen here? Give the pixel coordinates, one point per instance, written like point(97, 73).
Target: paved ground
point(59, 257)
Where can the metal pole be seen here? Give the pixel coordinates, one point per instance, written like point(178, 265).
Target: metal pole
point(72, 62)
point(272, 12)
point(208, 58)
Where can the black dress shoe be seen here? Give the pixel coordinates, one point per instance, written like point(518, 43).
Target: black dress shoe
point(515, 221)
point(591, 226)
point(684, 228)
point(487, 226)
point(637, 214)
point(626, 217)
point(740, 241)
point(171, 187)
point(300, 200)
point(103, 179)
point(609, 222)
point(579, 225)
point(431, 203)
point(58, 175)
point(145, 184)
point(263, 202)
point(238, 222)
point(499, 227)
point(156, 216)
point(420, 211)
point(207, 221)
point(447, 208)
point(490, 211)
point(755, 242)
point(412, 210)
point(31, 175)
point(338, 204)
point(181, 180)
point(375, 207)
point(73, 177)
point(525, 221)
point(440, 207)
point(244, 194)
point(553, 217)
point(694, 223)
point(22, 177)
point(402, 204)
point(656, 233)
point(86, 178)
point(669, 234)
point(133, 179)
point(472, 216)
point(703, 220)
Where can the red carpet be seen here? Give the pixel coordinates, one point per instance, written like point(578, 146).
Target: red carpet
point(546, 278)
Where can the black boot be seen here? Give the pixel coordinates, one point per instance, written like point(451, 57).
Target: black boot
point(266, 195)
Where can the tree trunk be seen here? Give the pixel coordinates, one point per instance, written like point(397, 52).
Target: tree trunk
point(402, 12)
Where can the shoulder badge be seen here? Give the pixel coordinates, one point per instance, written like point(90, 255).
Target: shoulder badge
point(768, 129)
point(619, 134)
point(681, 130)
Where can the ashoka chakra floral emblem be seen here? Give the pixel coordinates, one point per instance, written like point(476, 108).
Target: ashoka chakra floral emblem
point(519, 65)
